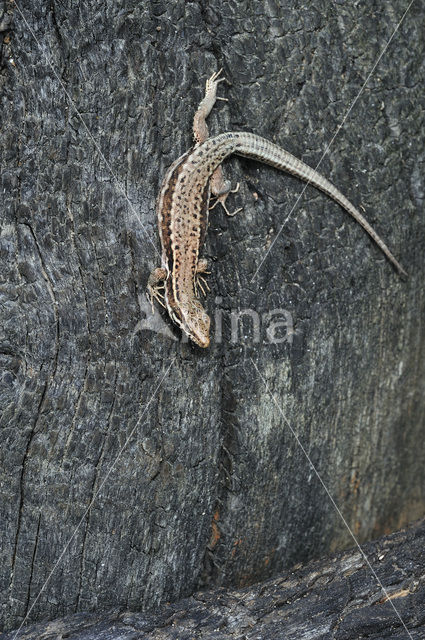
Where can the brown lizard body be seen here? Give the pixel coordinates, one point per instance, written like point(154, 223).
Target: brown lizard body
point(183, 212)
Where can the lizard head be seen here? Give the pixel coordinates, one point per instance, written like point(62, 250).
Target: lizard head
point(195, 322)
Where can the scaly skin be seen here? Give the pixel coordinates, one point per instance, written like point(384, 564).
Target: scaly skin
point(183, 212)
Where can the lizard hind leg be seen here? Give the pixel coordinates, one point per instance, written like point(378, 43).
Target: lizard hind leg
point(200, 128)
point(220, 188)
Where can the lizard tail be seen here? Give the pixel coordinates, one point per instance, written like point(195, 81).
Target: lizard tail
point(250, 145)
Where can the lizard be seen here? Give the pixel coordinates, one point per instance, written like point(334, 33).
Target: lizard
point(183, 206)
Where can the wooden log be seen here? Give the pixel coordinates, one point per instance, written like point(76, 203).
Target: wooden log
point(136, 469)
point(337, 598)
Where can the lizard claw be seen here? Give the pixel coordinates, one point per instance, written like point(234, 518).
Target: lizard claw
point(222, 200)
point(231, 215)
point(200, 282)
point(216, 77)
point(212, 82)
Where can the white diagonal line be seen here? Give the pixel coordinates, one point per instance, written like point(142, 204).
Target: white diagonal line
point(96, 493)
point(122, 190)
point(333, 138)
point(337, 509)
point(96, 145)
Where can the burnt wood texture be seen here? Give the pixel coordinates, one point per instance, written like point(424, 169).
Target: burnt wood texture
point(332, 599)
point(136, 468)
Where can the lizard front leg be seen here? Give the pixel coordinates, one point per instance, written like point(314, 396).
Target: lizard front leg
point(220, 187)
point(156, 283)
point(200, 281)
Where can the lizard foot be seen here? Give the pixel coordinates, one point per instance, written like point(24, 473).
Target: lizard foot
point(221, 198)
point(198, 284)
point(156, 283)
point(202, 267)
point(213, 81)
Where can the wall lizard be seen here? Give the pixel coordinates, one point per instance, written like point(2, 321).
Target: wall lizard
point(183, 206)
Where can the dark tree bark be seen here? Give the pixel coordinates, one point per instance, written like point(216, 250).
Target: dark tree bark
point(136, 468)
point(330, 599)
